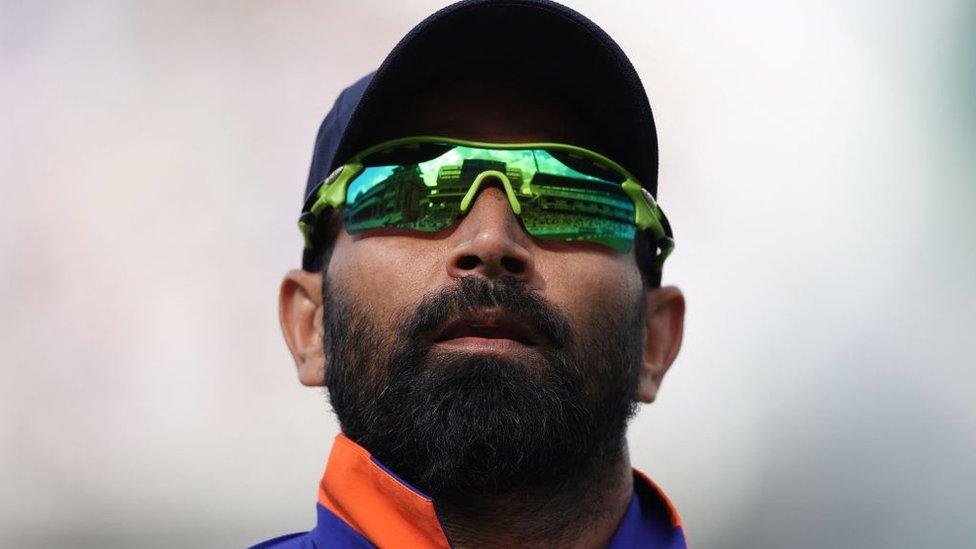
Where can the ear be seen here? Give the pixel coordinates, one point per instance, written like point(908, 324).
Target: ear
point(664, 327)
point(300, 313)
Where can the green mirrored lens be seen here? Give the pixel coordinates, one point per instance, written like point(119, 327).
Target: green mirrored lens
point(392, 197)
point(570, 209)
point(564, 195)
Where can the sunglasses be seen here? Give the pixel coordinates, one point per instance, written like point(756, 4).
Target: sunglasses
point(559, 192)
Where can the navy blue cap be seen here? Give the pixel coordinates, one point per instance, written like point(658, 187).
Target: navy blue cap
point(532, 42)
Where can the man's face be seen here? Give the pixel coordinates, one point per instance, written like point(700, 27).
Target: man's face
point(478, 359)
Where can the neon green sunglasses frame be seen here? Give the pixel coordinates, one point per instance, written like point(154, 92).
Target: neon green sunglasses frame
point(331, 193)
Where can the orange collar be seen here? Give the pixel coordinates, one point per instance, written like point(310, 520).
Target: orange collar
point(376, 503)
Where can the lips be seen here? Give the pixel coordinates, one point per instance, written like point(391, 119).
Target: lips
point(487, 324)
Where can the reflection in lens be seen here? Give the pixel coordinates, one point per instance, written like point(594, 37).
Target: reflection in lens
point(560, 201)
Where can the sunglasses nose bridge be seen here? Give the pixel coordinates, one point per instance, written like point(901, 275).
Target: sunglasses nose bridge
point(469, 197)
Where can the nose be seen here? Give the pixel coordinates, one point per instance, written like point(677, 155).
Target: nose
point(490, 240)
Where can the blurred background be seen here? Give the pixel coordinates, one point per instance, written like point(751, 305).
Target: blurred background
point(817, 163)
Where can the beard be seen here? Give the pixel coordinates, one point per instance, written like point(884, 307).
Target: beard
point(458, 425)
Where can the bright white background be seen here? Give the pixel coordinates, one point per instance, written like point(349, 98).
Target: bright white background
point(817, 164)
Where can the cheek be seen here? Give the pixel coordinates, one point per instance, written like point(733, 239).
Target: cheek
point(590, 285)
point(388, 275)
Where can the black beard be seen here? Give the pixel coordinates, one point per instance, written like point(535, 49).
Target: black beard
point(457, 425)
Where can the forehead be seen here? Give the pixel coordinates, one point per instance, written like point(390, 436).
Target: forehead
point(484, 110)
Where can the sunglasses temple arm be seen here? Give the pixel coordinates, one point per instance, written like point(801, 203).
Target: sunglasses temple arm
point(331, 193)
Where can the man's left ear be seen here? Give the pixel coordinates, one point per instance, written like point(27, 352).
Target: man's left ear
point(663, 327)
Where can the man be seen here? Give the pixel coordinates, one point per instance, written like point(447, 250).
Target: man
point(480, 290)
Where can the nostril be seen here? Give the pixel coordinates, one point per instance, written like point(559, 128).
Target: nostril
point(513, 265)
point(468, 262)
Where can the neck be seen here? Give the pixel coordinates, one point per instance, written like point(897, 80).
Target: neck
point(581, 512)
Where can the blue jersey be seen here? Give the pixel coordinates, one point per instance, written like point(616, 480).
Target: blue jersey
point(363, 504)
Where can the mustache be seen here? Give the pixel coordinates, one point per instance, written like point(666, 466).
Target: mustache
point(507, 293)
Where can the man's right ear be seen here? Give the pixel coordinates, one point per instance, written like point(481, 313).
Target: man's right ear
point(300, 313)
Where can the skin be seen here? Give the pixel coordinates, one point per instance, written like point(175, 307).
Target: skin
point(489, 241)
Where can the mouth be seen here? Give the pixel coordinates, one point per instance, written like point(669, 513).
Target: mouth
point(487, 328)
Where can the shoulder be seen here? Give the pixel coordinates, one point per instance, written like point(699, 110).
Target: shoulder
point(299, 540)
point(330, 531)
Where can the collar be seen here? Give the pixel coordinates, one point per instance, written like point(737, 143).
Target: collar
point(367, 501)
